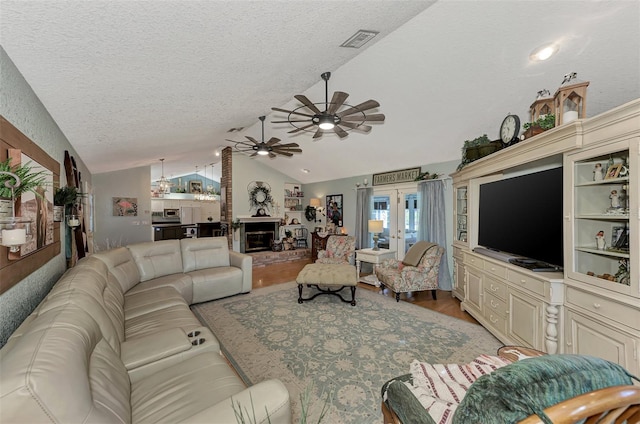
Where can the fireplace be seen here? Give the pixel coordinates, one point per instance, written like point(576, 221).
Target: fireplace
point(257, 236)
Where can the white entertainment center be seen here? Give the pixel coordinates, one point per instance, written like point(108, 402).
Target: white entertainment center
point(592, 306)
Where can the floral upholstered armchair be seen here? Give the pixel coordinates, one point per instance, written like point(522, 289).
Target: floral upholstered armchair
point(339, 250)
point(416, 272)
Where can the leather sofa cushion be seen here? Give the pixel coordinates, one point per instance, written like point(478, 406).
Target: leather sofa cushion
point(120, 263)
point(216, 283)
point(201, 253)
point(62, 370)
point(174, 394)
point(157, 258)
point(180, 282)
point(141, 303)
point(177, 316)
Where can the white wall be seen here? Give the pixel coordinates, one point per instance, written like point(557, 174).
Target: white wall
point(112, 231)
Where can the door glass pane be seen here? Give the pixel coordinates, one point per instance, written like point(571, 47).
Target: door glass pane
point(381, 211)
point(411, 220)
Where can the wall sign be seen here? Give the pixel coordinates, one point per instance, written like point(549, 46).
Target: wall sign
point(395, 177)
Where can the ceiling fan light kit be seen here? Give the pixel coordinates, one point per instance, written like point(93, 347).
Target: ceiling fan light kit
point(271, 148)
point(310, 118)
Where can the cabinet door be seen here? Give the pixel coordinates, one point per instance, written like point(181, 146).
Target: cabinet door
point(458, 279)
point(524, 319)
point(460, 213)
point(588, 336)
point(473, 299)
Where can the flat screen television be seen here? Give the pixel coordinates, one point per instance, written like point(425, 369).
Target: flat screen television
point(523, 216)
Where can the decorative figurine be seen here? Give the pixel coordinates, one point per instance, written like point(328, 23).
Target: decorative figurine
point(600, 243)
point(598, 175)
point(615, 202)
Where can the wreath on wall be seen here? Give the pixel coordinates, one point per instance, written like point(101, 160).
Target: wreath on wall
point(259, 195)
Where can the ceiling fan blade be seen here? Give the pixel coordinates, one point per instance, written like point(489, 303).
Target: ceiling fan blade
point(252, 139)
point(285, 154)
point(287, 149)
point(318, 133)
point(369, 104)
point(293, 120)
point(287, 145)
point(272, 155)
point(293, 112)
point(303, 99)
point(337, 100)
point(361, 127)
point(255, 154)
point(373, 117)
point(341, 133)
point(300, 129)
point(272, 141)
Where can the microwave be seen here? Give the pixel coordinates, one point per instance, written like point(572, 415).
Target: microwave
point(171, 213)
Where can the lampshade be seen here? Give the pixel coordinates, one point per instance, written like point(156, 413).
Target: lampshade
point(315, 203)
point(375, 226)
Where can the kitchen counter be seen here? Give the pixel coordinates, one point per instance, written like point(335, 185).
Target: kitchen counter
point(176, 230)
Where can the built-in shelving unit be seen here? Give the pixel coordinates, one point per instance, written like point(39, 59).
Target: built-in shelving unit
point(593, 306)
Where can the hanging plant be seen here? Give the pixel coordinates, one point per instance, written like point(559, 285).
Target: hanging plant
point(427, 176)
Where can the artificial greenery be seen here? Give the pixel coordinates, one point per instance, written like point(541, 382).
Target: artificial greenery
point(254, 203)
point(469, 145)
point(546, 122)
point(30, 180)
point(236, 224)
point(65, 196)
point(427, 176)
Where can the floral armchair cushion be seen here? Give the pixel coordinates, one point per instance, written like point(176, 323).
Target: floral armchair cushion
point(339, 250)
point(402, 278)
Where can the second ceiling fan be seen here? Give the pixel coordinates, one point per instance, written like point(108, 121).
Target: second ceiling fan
point(270, 148)
point(331, 118)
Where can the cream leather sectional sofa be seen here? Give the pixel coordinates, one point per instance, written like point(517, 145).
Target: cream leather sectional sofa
point(116, 342)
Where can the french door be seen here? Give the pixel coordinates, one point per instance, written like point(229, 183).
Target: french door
point(399, 209)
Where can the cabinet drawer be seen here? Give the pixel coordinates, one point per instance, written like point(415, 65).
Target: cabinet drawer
point(473, 261)
point(496, 288)
point(495, 269)
point(496, 321)
point(457, 252)
point(526, 282)
point(619, 312)
point(494, 305)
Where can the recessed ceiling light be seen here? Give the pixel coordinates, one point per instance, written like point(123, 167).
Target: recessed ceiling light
point(544, 52)
point(305, 170)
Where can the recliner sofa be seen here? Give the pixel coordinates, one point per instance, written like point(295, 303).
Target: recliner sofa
point(116, 341)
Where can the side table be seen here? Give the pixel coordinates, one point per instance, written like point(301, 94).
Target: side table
point(374, 257)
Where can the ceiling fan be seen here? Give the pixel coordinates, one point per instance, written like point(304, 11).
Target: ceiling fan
point(271, 147)
point(332, 118)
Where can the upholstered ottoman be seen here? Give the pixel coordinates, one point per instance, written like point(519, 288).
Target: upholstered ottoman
point(333, 278)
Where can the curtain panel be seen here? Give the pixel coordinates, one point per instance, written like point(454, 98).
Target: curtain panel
point(433, 227)
point(363, 214)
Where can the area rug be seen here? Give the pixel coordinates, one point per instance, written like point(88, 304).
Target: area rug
point(327, 349)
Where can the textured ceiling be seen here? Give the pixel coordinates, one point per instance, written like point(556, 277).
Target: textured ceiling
point(130, 82)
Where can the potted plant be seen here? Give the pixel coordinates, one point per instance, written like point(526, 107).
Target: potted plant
point(478, 148)
point(63, 197)
point(235, 225)
point(542, 124)
point(30, 180)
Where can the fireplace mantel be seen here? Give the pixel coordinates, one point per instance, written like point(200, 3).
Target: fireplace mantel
point(252, 219)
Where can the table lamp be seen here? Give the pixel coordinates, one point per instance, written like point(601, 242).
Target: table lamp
point(375, 227)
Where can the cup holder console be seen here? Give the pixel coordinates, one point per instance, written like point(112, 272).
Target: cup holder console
point(197, 342)
point(194, 333)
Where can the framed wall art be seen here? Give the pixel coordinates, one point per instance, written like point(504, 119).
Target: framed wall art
point(334, 209)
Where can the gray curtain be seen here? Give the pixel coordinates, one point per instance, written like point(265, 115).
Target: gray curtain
point(433, 227)
point(363, 213)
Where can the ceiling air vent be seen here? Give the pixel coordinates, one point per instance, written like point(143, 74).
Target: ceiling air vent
point(359, 39)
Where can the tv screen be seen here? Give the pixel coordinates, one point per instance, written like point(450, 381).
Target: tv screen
point(523, 216)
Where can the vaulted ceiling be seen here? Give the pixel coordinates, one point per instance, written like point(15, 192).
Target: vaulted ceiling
point(132, 82)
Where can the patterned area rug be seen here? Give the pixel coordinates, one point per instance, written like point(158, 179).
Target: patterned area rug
point(328, 348)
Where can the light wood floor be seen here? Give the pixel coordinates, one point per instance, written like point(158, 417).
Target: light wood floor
point(282, 273)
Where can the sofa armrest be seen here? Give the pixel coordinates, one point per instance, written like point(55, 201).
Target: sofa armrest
point(154, 347)
point(268, 400)
point(245, 263)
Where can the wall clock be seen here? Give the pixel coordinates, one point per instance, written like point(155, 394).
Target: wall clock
point(509, 129)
